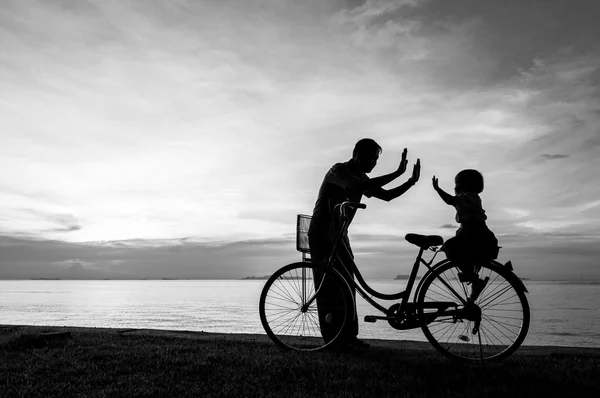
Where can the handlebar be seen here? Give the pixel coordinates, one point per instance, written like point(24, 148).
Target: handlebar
point(354, 205)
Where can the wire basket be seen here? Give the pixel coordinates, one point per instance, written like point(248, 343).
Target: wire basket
point(302, 224)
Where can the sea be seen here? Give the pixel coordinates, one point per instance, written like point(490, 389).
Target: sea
point(562, 313)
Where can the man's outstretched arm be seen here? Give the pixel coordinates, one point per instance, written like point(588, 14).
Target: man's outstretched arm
point(377, 182)
point(345, 178)
point(390, 194)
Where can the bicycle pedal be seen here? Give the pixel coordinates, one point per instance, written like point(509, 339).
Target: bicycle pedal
point(370, 318)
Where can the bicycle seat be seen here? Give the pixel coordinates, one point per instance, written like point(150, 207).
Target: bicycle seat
point(424, 241)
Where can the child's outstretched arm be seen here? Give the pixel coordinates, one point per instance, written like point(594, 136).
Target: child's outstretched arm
point(449, 199)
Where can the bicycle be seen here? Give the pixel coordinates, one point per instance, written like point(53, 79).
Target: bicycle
point(490, 325)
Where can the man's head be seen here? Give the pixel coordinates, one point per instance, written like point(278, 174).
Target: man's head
point(366, 153)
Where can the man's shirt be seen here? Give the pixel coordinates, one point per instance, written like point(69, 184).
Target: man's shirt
point(340, 184)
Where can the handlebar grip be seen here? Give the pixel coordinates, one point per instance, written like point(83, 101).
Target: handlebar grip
point(356, 205)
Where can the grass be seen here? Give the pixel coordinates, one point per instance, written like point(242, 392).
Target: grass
point(108, 362)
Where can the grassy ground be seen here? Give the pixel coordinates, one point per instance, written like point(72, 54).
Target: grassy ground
point(112, 362)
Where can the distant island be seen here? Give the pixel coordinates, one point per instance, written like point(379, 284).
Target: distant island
point(256, 278)
point(45, 279)
point(401, 276)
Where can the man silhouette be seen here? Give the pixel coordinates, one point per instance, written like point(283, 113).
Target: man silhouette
point(347, 181)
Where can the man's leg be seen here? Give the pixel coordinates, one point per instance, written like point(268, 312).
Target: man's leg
point(350, 332)
point(328, 298)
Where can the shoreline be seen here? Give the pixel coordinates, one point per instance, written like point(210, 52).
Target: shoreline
point(412, 345)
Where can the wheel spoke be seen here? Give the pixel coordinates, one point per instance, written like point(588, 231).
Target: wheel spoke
point(495, 296)
point(504, 314)
point(284, 291)
point(281, 310)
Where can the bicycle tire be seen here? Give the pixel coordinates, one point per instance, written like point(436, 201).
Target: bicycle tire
point(505, 314)
point(281, 314)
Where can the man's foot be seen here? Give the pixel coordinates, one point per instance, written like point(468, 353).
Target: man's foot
point(352, 345)
point(358, 343)
point(477, 287)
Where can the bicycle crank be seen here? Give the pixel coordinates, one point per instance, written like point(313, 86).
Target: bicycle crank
point(402, 320)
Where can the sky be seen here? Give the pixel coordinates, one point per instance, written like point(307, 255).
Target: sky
point(180, 139)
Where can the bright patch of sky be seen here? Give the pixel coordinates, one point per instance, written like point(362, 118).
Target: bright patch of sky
point(215, 121)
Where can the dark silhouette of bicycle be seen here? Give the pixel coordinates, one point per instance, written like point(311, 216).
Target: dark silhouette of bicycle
point(488, 326)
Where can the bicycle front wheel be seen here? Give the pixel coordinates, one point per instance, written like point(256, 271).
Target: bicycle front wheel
point(289, 316)
point(491, 327)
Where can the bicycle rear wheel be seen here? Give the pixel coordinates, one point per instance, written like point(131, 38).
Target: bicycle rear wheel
point(289, 322)
point(501, 308)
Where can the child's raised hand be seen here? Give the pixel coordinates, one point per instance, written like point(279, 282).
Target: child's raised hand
point(435, 183)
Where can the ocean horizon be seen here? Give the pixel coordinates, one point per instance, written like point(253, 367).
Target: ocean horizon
point(562, 313)
point(264, 278)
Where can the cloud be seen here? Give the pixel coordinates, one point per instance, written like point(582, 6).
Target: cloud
point(67, 222)
point(589, 205)
point(547, 225)
point(510, 35)
point(46, 221)
point(184, 128)
point(24, 258)
point(374, 12)
point(404, 43)
point(553, 156)
point(67, 228)
point(73, 264)
point(516, 212)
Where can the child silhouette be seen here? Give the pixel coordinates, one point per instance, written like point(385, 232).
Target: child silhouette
point(473, 242)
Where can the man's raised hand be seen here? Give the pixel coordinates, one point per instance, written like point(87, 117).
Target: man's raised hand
point(416, 173)
point(403, 163)
point(434, 181)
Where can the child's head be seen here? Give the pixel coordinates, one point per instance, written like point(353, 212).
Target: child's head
point(468, 181)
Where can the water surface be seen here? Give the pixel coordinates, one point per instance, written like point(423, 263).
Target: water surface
point(563, 314)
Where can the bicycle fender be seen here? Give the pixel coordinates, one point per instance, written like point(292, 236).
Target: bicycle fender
point(508, 265)
point(518, 280)
point(521, 284)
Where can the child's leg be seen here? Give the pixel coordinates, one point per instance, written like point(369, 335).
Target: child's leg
point(457, 251)
point(483, 247)
point(460, 252)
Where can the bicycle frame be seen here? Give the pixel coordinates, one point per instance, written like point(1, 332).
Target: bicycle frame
point(362, 284)
point(364, 289)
